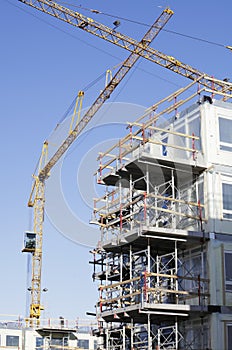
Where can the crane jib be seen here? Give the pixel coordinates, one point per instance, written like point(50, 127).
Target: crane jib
point(106, 93)
point(108, 34)
point(39, 201)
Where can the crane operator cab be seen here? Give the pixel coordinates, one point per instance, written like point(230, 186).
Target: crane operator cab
point(29, 242)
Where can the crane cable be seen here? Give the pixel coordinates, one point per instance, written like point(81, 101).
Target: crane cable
point(71, 106)
point(146, 25)
point(124, 19)
point(90, 45)
point(86, 88)
point(103, 74)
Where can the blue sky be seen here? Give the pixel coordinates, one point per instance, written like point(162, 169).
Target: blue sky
point(43, 65)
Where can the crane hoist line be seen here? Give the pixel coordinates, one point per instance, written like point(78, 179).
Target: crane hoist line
point(110, 87)
point(37, 197)
point(91, 26)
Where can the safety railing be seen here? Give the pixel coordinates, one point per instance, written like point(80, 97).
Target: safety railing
point(119, 213)
point(151, 288)
point(149, 130)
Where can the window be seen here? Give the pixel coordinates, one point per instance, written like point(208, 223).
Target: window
point(229, 336)
point(39, 343)
point(228, 271)
point(227, 200)
point(193, 265)
point(12, 340)
point(83, 343)
point(164, 140)
point(95, 344)
point(59, 341)
point(225, 134)
point(196, 336)
point(194, 128)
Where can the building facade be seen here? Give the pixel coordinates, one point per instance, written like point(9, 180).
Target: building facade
point(164, 258)
point(51, 334)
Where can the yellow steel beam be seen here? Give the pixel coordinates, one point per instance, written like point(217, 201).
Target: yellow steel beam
point(106, 93)
point(38, 200)
point(91, 26)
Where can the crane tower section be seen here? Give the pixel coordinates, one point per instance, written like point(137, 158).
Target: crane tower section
point(37, 197)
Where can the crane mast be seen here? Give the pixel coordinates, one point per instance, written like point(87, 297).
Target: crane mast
point(38, 206)
point(37, 197)
point(91, 26)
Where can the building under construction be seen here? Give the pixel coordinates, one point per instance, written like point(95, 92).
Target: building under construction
point(165, 253)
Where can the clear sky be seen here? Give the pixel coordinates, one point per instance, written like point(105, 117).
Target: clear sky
point(43, 65)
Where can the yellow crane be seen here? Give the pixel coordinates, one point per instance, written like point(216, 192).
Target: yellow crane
point(91, 26)
point(37, 196)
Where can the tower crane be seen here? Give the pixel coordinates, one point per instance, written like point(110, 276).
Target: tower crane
point(37, 196)
point(91, 26)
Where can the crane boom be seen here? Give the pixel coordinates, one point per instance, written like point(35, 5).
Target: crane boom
point(39, 185)
point(91, 26)
point(105, 94)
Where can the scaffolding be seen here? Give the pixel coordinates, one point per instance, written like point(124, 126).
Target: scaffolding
point(151, 261)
